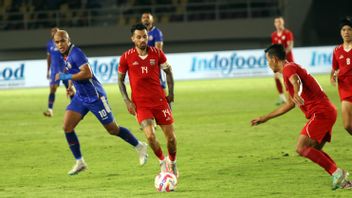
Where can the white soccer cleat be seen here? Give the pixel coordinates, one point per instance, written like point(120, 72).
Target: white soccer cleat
point(163, 166)
point(339, 179)
point(48, 113)
point(78, 167)
point(173, 168)
point(142, 152)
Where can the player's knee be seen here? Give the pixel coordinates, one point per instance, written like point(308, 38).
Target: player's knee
point(151, 138)
point(300, 151)
point(67, 129)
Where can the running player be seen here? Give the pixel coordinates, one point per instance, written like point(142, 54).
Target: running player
point(90, 96)
point(55, 64)
point(284, 37)
point(306, 93)
point(342, 72)
point(143, 64)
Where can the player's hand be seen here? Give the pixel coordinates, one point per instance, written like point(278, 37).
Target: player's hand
point(48, 75)
point(298, 100)
point(131, 107)
point(333, 80)
point(70, 92)
point(258, 121)
point(170, 98)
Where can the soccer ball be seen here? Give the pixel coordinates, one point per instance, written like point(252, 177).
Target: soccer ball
point(165, 182)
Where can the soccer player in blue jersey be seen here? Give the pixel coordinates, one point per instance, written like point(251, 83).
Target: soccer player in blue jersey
point(55, 63)
point(90, 96)
point(155, 39)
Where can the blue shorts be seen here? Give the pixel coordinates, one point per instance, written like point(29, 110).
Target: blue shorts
point(99, 108)
point(56, 82)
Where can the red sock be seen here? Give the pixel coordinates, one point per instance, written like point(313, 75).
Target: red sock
point(172, 156)
point(159, 154)
point(320, 158)
point(326, 155)
point(278, 85)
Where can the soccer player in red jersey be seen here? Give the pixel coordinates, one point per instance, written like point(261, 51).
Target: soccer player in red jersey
point(306, 93)
point(149, 102)
point(284, 37)
point(342, 72)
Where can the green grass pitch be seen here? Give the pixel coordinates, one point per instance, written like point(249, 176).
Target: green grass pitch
point(219, 154)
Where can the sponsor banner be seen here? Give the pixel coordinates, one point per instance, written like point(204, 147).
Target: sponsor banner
point(186, 66)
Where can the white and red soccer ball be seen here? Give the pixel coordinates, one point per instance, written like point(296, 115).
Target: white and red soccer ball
point(165, 182)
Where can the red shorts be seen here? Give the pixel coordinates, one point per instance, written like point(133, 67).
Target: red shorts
point(162, 114)
point(345, 88)
point(319, 126)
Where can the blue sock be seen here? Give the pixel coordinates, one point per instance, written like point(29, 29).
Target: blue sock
point(51, 100)
point(126, 135)
point(73, 142)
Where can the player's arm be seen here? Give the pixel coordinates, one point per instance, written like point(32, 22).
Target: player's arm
point(84, 74)
point(169, 80)
point(297, 89)
point(286, 107)
point(159, 45)
point(48, 61)
point(122, 86)
point(289, 46)
point(334, 70)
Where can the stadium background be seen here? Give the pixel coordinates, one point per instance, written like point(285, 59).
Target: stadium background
point(219, 155)
point(102, 27)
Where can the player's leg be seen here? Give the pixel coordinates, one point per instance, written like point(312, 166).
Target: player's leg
point(310, 148)
point(51, 100)
point(346, 108)
point(279, 87)
point(149, 131)
point(170, 136)
point(74, 113)
point(101, 109)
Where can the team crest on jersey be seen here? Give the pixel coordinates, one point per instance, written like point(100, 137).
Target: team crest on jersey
point(68, 65)
point(150, 37)
point(135, 63)
point(341, 56)
point(283, 37)
point(152, 61)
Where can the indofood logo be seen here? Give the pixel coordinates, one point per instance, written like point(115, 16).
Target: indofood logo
point(228, 65)
point(12, 76)
point(106, 71)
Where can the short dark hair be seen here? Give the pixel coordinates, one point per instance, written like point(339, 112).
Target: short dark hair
point(345, 21)
point(276, 50)
point(138, 26)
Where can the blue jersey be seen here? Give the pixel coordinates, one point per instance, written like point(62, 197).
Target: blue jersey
point(57, 63)
point(154, 35)
point(89, 90)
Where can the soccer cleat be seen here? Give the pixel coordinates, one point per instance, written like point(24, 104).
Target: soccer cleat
point(163, 166)
point(173, 168)
point(142, 153)
point(48, 113)
point(339, 179)
point(78, 167)
point(347, 185)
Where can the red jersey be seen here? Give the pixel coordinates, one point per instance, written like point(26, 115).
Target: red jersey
point(283, 39)
point(144, 75)
point(315, 100)
point(341, 60)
